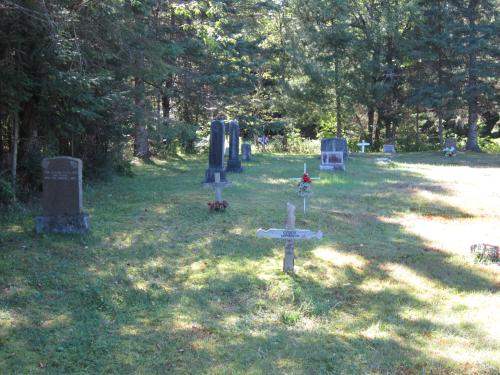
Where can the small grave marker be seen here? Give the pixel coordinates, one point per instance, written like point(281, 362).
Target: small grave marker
point(290, 234)
point(389, 149)
point(363, 144)
point(246, 152)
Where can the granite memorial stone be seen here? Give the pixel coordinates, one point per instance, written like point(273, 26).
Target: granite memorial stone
point(216, 153)
point(234, 162)
point(246, 152)
point(332, 160)
point(389, 149)
point(62, 198)
point(335, 144)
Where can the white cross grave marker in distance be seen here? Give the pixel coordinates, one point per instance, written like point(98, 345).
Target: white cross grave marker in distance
point(362, 144)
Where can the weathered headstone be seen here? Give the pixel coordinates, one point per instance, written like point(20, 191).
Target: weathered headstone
point(332, 160)
point(363, 144)
point(450, 142)
point(216, 153)
point(290, 234)
point(389, 149)
point(62, 197)
point(246, 152)
point(234, 162)
point(335, 144)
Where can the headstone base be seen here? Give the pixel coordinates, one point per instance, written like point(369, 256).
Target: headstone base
point(67, 224)
point(332, 167)
point(210, 175)
point(234, 166)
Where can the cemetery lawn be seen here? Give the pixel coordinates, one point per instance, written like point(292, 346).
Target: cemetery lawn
point(163, 286)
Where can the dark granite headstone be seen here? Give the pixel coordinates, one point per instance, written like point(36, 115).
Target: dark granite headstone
point(234, 162)
point(335, 144)
point(216, 153)
point(389, 149)
point(450, 142)
point(62, 198)
point(246, 152)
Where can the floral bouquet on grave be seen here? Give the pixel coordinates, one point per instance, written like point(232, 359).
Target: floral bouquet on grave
point(217, 206)
point(305, 185)
point(449, 151)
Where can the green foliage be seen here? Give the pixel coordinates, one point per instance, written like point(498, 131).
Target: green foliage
point(7, 194)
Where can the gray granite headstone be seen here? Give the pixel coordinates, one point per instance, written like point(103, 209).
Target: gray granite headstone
point(216, 153)
point(450, 142)
point(335, 144)
point(234, 162)
point(389, 149)
point(332, 160)
point(246, 152)
point(62, 198)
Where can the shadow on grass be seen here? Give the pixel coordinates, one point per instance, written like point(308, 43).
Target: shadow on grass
point(162, 285)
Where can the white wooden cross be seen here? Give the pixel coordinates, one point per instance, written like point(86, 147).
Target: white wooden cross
point(218, 186)
point(362, 144)
point(305, 196)
point(300, 178)
point(290, 234)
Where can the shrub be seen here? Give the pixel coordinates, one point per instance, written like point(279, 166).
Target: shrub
point(7, 194)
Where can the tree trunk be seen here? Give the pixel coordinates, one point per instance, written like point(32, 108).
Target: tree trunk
point(377, 131)
point(472, 99)
point(440, 128)
point(417, 130)
point(15, 141)
point(371, 116)
point(337, 96)
point(141, 136)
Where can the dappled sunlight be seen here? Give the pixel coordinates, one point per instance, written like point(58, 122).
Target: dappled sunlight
point(162, 277)
point(404, 275)
point(452, 236)
point(61, 320)
point(339, 259)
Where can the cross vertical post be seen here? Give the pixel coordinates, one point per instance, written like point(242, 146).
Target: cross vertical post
point(288, 261)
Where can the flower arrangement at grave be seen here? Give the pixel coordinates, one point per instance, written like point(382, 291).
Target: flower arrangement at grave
point(217, 206)
point(449, 151)
point(305, 185)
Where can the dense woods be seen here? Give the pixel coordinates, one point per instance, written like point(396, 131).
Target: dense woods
point(100, 80)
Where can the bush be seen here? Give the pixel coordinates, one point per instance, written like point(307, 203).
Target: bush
point(124, 168)
point(7, 194)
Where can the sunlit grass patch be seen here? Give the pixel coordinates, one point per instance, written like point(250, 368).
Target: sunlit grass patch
point(162, 285)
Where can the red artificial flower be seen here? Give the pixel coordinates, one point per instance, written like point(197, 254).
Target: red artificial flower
point(306, 178)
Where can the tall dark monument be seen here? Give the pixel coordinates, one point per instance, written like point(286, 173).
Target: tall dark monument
point(234, 162)
point(216, 153)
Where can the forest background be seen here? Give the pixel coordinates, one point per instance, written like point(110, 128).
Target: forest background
point(108, 80)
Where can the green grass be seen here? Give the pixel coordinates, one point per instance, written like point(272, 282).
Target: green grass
point(162, 285)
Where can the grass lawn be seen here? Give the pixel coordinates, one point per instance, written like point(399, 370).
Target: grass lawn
point(161, 285)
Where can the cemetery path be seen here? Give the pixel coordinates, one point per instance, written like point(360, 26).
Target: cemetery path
point(162, 285)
